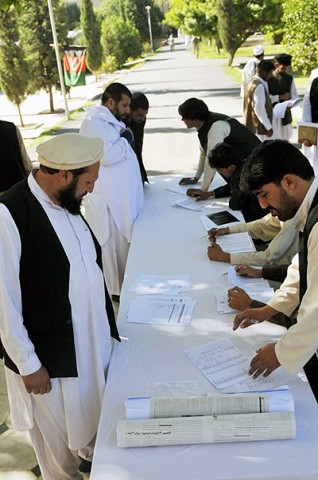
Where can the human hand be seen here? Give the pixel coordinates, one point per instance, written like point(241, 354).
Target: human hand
point(215, 252)
point(238, 298)
point(199, 194)
point(38, 382)
point(269, 133)
point(127, 134)
point(188, 181)
point(216, 232)
point(253, 315)
point(305, 142)
point(285, 96)
point(264, 362)
point(246, 271)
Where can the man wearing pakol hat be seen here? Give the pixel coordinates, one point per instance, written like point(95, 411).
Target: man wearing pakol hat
point(118, 195)
point(56, 316)
point(250, 68)
point(282, 87)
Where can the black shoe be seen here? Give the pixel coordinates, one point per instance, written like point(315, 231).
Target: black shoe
point(85, 466)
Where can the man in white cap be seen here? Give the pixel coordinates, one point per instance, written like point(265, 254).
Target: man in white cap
point(56, 316)
point(118, 196)
point(250, 68)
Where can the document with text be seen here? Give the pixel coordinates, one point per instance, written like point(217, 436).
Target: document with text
point(161, 310)
point(206, 429)
point(161, 284)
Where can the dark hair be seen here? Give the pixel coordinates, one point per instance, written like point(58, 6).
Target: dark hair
point(223, 155)
point(115, 91)
point(139, 100)
point(270, 162)
point(52, 171)
point(194, 109)
point(265, 66)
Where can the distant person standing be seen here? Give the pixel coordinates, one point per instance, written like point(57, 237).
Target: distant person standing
point(310, 114)
point(171, 41)
point(136, 120)
point(250, 68)
point(196, 46)
point(15, 161)
point(282, 87)
point(258, 110)
point(117, 199)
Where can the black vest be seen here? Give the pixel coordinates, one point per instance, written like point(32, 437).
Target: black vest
point(313, 96)
point(44, 281)
point(12, 168)
point(240, 137)
point(279, 84)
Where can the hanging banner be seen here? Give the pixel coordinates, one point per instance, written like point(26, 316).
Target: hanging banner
point(74, 60)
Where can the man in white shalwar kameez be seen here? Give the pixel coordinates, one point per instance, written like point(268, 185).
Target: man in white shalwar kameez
point(55, 368)
point(118, 195)
point(309, 115)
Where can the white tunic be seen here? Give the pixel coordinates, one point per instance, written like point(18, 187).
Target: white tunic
point(283, 132)
point(119, 186)
point(310, 152)
point(75, 402)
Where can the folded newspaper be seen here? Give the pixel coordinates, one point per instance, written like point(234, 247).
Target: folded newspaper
point(213, 418)
point(206, 429)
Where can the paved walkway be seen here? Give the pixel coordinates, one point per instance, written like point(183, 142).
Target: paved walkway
point(168, 79)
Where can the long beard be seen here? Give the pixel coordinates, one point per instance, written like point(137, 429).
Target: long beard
point(68, 200)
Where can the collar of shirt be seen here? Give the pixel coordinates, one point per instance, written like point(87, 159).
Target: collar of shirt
point(302, 213)
point(39, 193)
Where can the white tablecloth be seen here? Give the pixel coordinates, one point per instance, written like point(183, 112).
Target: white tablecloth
point(168, 240)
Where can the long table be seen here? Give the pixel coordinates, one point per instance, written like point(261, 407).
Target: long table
point(168, 240)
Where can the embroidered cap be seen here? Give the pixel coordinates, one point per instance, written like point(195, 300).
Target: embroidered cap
point(258, 50)
point(70, 151)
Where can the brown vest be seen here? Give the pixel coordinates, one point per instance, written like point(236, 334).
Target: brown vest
point(251, 120)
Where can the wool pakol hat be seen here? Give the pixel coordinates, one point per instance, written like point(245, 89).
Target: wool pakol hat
point(70, 151)
point(258, 50)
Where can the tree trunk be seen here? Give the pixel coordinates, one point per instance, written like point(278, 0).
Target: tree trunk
point(20, 115)
point(51, 98)
point(96, 77)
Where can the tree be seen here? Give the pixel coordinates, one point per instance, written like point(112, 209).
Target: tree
point(73, 15)
point(141, 18)
point(238, 19)
point(301, 18)
point(120, 39)
point(13, 68)
point(194, 17)
point(92, 35)
point(6, 4)
point(37, 42)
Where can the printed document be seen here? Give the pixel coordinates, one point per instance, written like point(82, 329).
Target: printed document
point(206, 429)
point(192, 204)
point(236, 243)
point(161, 310)
point(161, 284)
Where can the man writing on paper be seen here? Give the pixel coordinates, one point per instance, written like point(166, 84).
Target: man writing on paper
point(213, 128)
point(283, 180)
point(56, 316)
point(226, 161)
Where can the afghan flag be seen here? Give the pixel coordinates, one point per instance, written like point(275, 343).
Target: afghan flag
point(74, 60)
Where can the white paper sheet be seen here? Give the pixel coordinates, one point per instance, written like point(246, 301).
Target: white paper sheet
point(248, 284)
point(161, 310)
point(280, 108)
point(221, 297)
point(224, 365)
point(236, 243)
point(161, 284)
point(192, 204)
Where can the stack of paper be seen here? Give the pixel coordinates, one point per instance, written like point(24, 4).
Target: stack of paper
point(192, 204)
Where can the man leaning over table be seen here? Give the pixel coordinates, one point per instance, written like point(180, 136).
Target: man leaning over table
point(213, 128)
point(283, 180)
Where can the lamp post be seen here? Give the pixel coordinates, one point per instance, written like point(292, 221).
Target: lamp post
point(58, 60)
point(148, 8)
